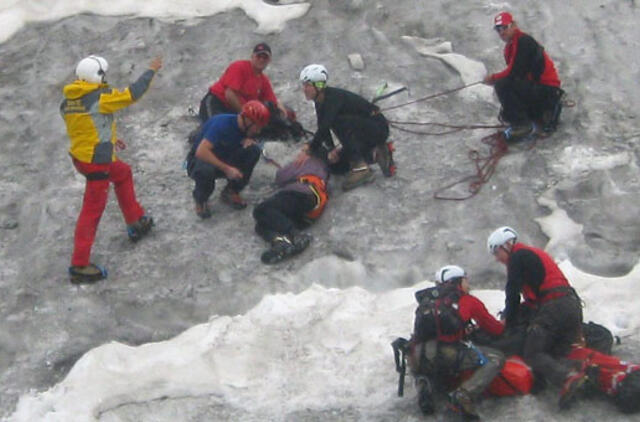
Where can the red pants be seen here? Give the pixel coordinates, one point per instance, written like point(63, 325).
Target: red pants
point(95, 200)
point(612, 369)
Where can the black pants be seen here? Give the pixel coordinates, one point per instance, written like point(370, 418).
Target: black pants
point(555, 327)
point(205, 174)
point(523, 100)
point(210, 106)
point(360, 135)
point(281, 213)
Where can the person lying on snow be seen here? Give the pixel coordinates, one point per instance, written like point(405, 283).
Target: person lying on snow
point(439, 353)
point(300, 200)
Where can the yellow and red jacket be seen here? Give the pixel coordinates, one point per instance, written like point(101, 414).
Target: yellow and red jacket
point(87, 110)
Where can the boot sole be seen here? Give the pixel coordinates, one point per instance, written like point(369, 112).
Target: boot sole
point(87, 279)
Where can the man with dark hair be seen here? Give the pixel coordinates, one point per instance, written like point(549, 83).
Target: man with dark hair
point(529, 87)
point(242, 81)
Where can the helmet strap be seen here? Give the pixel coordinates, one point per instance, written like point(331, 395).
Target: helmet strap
point(504, 248)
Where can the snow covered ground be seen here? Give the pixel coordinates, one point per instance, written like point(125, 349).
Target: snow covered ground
point(189, 325)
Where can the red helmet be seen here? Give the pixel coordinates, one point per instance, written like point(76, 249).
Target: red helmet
point(257, 112)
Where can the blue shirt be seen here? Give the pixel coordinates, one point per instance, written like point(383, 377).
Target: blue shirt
point(223, 132)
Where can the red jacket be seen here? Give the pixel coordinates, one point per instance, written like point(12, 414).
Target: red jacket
point(241, 78)
point(470, 307)
point(553, 277)
point(520, 55)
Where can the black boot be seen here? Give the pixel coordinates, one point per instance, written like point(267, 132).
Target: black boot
point(140, 228)
point(87, 274)
point(283, 247)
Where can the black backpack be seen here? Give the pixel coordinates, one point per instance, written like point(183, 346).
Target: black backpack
point(437, 313)
point(598, 337)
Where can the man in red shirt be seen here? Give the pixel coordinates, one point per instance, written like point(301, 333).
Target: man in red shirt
point(529, 87)
point(242, 81)
point(440, 353)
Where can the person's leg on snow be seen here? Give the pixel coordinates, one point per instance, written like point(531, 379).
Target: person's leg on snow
point(382, 152)
point(556, 326)
point(421, 361)
point(138, 224)
point(276, 221)
point(93, 204)
point(204, 175)
point(424, 387)
point(514, 96)
point(550, 108)
point(459, 357)
point(349, 130)
point(244, 159)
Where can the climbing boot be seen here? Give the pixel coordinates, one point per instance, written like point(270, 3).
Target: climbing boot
point(202, 210)
point(300, 241)
point(283, 247)
point(86, 274)
point(140, 228)
point(232, 198)
point(461, 403)
point(360, 174)
point(384, 157)
point(517, 133)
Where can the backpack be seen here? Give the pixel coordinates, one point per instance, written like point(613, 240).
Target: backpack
point(598, 337)
point(279, 127)
point(437, 314)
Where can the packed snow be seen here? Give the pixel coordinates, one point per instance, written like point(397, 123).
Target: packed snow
point(189, 325)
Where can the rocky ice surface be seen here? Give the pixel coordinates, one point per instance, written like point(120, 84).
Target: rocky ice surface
point(292, 342)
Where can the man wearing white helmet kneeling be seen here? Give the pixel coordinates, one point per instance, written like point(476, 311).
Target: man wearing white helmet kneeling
point(88, 111)
point(556, 321)
point(358, 124)
point(440, 354)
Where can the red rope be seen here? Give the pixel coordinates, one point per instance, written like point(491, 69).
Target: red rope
point(485, 167)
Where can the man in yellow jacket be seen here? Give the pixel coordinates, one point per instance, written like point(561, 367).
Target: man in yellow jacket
point(88, 107)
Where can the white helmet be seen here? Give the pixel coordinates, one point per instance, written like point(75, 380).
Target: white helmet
point(92, 69)
point(314, 74)
point(448, 273)
point(499, 237)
